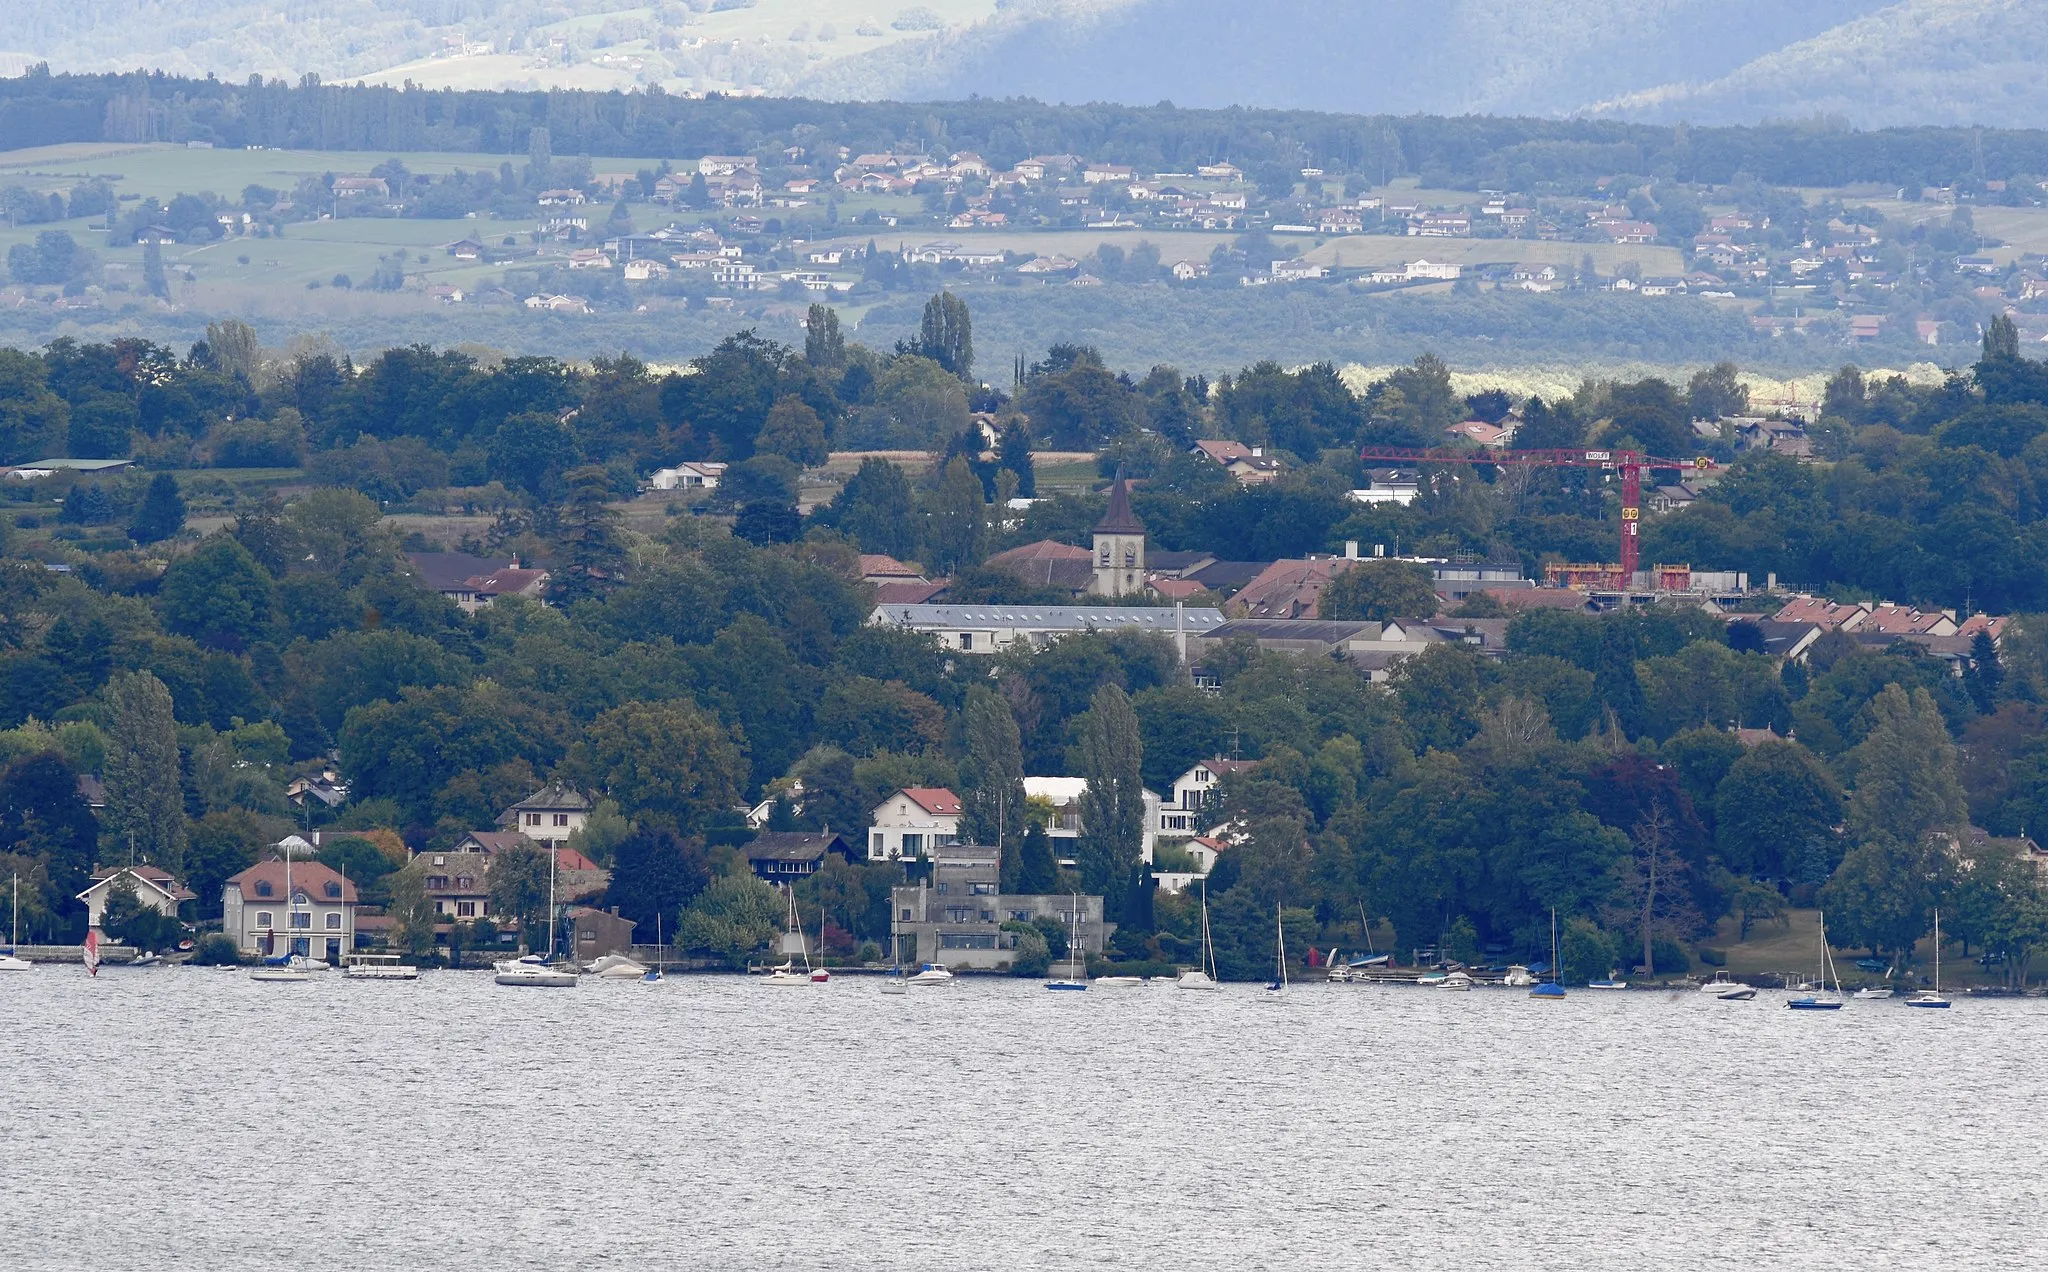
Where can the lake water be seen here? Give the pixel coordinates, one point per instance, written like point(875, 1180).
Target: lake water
point(183, 1117)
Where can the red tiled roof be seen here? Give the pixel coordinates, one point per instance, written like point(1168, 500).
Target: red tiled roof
point(1175, 589)
point(309, 877)
point(909, 592)
point(874, 565)
point(936, 800)
point(1813, 609)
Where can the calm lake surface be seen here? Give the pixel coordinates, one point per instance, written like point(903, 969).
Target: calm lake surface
point(183, 1117)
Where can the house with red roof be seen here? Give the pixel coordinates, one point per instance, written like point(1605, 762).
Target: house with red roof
point(912, 822)
point(315, 916)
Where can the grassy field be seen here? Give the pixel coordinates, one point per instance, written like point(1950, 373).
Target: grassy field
point(1795, 949)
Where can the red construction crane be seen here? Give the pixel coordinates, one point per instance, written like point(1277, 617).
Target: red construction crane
point(1630, 463)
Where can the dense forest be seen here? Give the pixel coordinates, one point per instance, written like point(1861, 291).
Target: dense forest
point(1466, 152)
point(681, 672)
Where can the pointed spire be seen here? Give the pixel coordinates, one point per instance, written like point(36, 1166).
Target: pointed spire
point(1120, 519)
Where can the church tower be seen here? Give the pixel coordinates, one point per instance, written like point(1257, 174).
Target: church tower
point(1119, 546)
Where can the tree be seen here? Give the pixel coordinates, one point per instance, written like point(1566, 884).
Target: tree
point(1037, 868)
point(733, 918)
point(668, 758)
point(1113, 805)
point(161, 513)
point(129, 922)
point(959, 519)
point(1715, 392)
point(153, 279)
point(1985, 673)
point(1775, 814)
point(946, 335)
point(1013, 452)
point(1882, 894)
point(145, 797)
point(655, 874)
point(219, 595)
point(520, 877)
point(875, 507)
point(1905, 767)
point(1379, 591)
point(593, 558)
point(824, 346)
point(1585, 952)
point(994, 777)
point(793, 431)
point(412, 910)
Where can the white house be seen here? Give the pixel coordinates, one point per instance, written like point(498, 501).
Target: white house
point(914, 820)
point(317, 919)
point(548, 816)
point(989, 629)
point(1065, 828)
point(1194, 790)
point(154, 888)
point(688, 475)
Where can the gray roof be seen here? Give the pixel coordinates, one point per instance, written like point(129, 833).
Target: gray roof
point(1324, 630)
point(1058, 618)
point(795, 845)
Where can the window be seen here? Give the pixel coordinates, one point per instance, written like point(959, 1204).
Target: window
point(263, 919)
point(465, 882)
point(302, 946)
point(960, 914)
point(941, 889)
point(983, 889)
point(912, 845)
point(332, 891)
point(966, 640)
point(263, 887)
point(588, 936)
point(967, 940)
point(906, 914)
point(561, 819)
point(1021, 916)
point(437, 881)
point(533, 819)
point(300, 919)
point(334, 920)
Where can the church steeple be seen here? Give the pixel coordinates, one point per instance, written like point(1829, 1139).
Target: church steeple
point(1119, 545)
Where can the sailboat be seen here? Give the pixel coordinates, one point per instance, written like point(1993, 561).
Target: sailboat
point(287, 968)
point(895, 984)
point(92, 952)
point(1932, 997)
point(1822, 1001)
point(1551, 988)
point(787, 973)
point(1078, 980)
point(1203, 977)
point(1277, 991)
point(652, 976)
point(10, 961)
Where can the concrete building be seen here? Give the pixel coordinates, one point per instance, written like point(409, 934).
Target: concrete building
point(317, 919)
point(956, 916)
point(912, 822)
point(990, 629)
point(597, 933)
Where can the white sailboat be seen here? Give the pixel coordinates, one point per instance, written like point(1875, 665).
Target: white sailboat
point(787, 973)
point(1277, 991)
point(895, 983)
point(1075, 965)
point(1932, 997)
point(1822, 1001)
point(288, 968)
point(10, 961)
point(1205, 976)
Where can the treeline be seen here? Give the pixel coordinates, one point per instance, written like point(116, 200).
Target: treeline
point(1590, 771)
point(43, 109)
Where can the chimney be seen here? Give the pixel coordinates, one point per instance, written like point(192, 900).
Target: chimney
point(1350, 549)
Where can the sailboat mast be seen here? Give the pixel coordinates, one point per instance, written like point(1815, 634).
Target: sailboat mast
point(551, 898)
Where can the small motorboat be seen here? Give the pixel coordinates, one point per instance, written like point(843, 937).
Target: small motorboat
point(820, 976)
point(1457, 980)
point(1194, 979)
point(1518, 977)
point(1721, 983)
point(1432, 980)
point(1340, 974)
point(932, 974)
point(148, 958)
point(1608, 983)
point(1119, 982)
point(617, 967)
point(279, 973)
point(1737, 994)
point(534, 972)
point(12, 962)
point(1869, 992)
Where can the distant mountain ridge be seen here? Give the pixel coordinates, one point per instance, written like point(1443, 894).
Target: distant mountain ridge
point(1869, 63)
